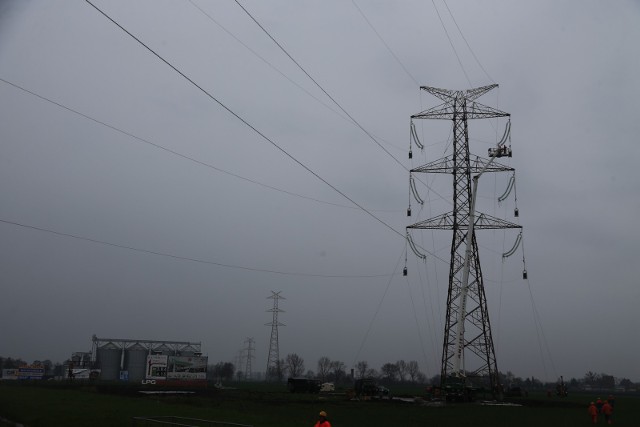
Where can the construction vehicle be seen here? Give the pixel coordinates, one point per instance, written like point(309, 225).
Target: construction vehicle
point(303, 385)
point(367, 388)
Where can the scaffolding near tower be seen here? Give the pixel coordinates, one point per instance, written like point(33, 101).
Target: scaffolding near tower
point(468, 355)
point(274, 368)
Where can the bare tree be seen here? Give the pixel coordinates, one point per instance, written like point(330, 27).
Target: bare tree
point(361, 368)
point(337, 370)
point(324, 367)
point(413, 370)
point(223, 371)
point(402, 369)
point(390, 371)
point(295, 365)
point(590, 378)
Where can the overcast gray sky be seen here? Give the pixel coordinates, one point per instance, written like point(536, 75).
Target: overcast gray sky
point(567, 73)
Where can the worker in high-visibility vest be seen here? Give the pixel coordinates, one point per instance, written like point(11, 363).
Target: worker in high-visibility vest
point(607, 410)
point(593, 412)
point(322, 420)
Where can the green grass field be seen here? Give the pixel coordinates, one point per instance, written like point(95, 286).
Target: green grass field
point(264, 405)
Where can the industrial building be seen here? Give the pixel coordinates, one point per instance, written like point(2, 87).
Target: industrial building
point(139, 360)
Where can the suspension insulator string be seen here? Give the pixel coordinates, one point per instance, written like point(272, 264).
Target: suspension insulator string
point(409, 208)
point(404, 271)
point(524, 264)
point(516, 212)
point(508, 190)
point(414, 190)
point(506, 134)
point(410, 139)
point(414, 136)
point(413, 247)
point(514, 248)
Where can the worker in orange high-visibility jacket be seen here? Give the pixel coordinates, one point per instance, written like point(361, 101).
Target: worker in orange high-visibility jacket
point(607, 410)
point(593, 412)
point(322, 420)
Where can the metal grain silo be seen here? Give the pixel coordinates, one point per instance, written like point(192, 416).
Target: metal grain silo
point(108, 358)
point(135, 361)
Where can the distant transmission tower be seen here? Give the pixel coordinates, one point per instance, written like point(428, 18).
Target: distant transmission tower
point(239, 359)
point(250, 350)
point(274, 370)
point(467, 350)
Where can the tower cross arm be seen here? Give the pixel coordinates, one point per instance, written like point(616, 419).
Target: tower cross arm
point(476, 93)
point(442, 111)
point(274, 324)
point(447, 111)
point(446, 222)
point(455, 99)
point(487, 222)
point(444, 94)
point(446, 165)
point(476, 110)
point(469, 94)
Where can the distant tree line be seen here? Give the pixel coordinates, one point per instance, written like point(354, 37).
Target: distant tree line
point(402, 372)
point(327, 370)
point(590, 381)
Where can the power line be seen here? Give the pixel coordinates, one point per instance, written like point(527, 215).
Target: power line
point(375, 314)
point(385, 44)
point(263, 59)
point(467, 43)
point(175, 153)
point(257, 55)
point(326, 93)
point(263, 136)
point(451, 42)
point(183, 258)
point(405, 70)
point(233, 113)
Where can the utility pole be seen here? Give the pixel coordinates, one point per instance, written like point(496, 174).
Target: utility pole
point(250, 350)
point(467, 349)
point(274, 369)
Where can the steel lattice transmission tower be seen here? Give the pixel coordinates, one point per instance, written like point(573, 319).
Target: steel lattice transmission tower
point(467, 350)
point(274, 369)
point(250, 350)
